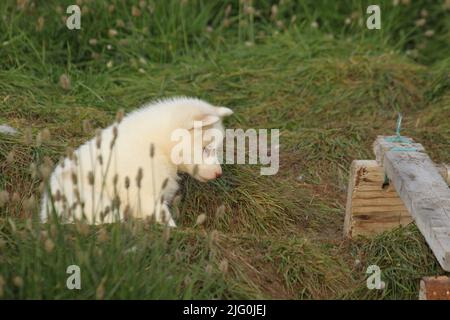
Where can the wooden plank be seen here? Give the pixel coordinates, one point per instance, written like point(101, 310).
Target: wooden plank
point(380, 212)
point(423, 190)
point(372, 207)
point(435, 288)
point(371, 195)
point(372, 228)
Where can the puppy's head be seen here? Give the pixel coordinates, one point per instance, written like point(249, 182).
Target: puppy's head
point(200, 149)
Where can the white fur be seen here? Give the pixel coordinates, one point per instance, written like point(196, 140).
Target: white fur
point(151, 124)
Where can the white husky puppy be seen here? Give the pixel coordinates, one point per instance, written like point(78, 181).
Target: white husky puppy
point(128, 168)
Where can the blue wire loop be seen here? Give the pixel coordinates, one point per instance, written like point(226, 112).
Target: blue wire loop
point(399, 138)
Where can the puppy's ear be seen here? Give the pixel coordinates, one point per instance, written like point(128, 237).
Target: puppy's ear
point(224, 111)
point(205, 121)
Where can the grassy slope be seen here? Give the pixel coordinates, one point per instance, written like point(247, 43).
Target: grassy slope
point(281, 235)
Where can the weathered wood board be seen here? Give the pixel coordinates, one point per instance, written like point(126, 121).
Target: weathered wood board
point(435, 288)
point(423, 190)
point(371, 206)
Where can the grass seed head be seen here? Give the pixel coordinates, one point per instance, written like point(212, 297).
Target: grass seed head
point(29, 204)
point(45, 135)
point(4, 197)
point(139, 177)
point(38, 140)
point(29, 225)
point(249, 10)
point(27, 136)
point(74, 178)
point(11, 156)
point(166, 234)
point(98, 138)
point(115, 134)
point(64, 82)
point(87, 127)
point(200, 219)
point(220, 212)
point(176, 200)
point(112, 33)
point(152, 150)
point(15, 198)
point(12, 225)
point(105, 213)
point(95, 55)
point(195, 171)
point(91, 178)
point(57, 196)
point(209, 269)
point(82, 228)
point(214, 236)
point(164, 184)
point(18, 281)
point(100, 291)
point(228, 10)
point(187, 280)
point(69, 153)
point(223, 266)
point(175, 212)
point(42, 187)
point(429, 33)
point(421, 22)
point(49, 245)
point(178, 255)
point(273, 12)
point(33, 170)
point(115, 204)
point(119, 115)
point(120, 23)
point(102, 235)
point(48, 161)
point(135, 12)
point(45, 171)
point(127, 213)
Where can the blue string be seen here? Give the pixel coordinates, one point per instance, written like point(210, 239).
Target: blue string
point(398, 137)
point(399, 124)
point(406, 149)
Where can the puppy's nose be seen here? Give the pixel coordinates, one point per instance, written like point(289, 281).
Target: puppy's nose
point(218, 174)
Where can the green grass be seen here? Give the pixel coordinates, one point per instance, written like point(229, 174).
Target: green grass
point(330, 90)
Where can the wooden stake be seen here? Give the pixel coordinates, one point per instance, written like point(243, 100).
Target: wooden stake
point(435, 288)
point(423, 190)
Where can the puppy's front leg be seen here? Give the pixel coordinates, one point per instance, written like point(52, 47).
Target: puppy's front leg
point(167, 217)
point(162, 214)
